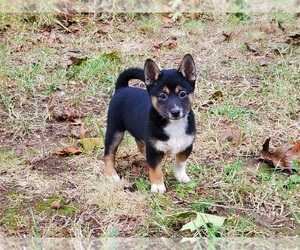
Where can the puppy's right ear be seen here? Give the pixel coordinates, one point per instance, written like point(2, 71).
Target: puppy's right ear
point(151, 71)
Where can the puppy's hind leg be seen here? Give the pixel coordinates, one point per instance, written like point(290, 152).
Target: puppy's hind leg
point(141, 146)
point(112, 142)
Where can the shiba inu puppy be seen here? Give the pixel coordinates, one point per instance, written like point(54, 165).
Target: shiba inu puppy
point(160, 118)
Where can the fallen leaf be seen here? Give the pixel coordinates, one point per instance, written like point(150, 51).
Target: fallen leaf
point(233, 135)
point(282, 48)
point(139, 167)
point(227, 37)
point(77, 61)
point(82, 131)
point(64, 113)
point(202, 219)
point(274, 27)
point(293, 39)
point(68, 151)
point(280, 26)
point(6, 82)
point(252, 48)
point(55, 205)
point(89, 144)
point(78, 132)
point(214, 97)
point(284, 157)
point(168, 22)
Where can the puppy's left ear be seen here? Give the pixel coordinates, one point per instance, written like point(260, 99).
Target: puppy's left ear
point(187, 68)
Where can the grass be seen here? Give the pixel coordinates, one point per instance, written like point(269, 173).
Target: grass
point(260, 97)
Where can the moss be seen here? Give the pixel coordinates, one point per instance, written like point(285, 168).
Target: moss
point(66, 207)
point(12, 218)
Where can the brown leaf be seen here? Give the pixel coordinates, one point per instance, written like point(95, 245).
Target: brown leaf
point(227, 37)
point(294, 39)
point(168, 22)
point(68, 151)
point(77, 61)
point(140, 167)
point(78, 130)
point(82, 131)
point(283, 157)
point(216, 95)
point(252, 48)
point(64, 113)
point(55, 205)
point(233, 135)
point(6, 82)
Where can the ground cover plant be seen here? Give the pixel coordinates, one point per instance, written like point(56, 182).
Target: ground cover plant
point(56, 79)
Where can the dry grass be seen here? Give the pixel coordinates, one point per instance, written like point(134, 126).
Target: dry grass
point(260, 98)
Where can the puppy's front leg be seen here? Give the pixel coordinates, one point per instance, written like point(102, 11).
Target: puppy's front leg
point(180, 165)
point(157, 180)
point(154, 159)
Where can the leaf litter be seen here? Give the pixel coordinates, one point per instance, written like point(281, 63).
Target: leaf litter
point(287, 157)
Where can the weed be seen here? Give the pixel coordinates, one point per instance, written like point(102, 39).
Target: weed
point(142, 184)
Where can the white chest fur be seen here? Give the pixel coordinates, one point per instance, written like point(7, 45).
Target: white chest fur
point(178, 139)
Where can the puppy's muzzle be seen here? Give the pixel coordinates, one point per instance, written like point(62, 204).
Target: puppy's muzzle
point(175, 113)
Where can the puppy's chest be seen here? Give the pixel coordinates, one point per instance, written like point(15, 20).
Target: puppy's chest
point(178, 139)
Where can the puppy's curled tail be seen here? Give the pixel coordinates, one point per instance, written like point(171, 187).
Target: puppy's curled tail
point(128, 74)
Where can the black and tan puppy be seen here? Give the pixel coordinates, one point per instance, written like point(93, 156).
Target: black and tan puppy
point(161, 119)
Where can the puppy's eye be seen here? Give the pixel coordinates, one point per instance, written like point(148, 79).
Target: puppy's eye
point(162, 96)
point(182, 94)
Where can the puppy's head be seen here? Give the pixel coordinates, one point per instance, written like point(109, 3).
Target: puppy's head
point(171, 90)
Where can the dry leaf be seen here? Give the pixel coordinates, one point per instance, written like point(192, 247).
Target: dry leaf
point(282, 157)
point(64, 113)
point(90, 143)
point(252, 48)
point(55, 205)
point(82, 131)
point(227, 37)
point(68, 151)
point(233, 135)
point(78, 132)
point(77, 61)
point(216, 95)
point(140, 167)
point(282, 48)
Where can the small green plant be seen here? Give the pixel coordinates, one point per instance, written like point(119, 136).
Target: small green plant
point(230, 174)
point(142, 184)
point(187, 189)
point(36, 231)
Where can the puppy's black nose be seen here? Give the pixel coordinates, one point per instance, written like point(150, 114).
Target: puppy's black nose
point(175, 113)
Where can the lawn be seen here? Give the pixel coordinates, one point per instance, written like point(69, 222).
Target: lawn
point(56, 79)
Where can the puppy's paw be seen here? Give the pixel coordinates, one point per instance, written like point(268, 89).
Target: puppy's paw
point(182, 177)
point(158, 188)
point(115, 178)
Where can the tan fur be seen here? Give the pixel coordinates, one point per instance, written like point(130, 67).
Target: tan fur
point(156, 175)
point(141, 146)
point(181, 157)
point(109, 161)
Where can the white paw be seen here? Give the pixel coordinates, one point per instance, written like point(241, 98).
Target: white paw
point(182, 177)
point(158, 188)
point(115, 178)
